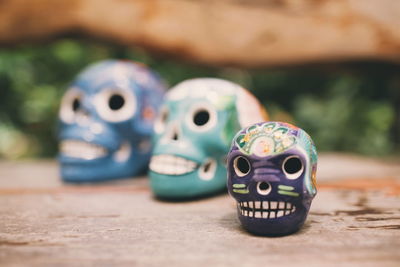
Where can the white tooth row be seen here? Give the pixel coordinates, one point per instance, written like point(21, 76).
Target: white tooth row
point(272, 205)
point(83, 150)
point(266, 209)
point(171, 165)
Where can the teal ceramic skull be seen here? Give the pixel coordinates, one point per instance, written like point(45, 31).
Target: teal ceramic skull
point(193, 133)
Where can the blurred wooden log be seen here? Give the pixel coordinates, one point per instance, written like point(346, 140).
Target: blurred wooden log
point(221, 32)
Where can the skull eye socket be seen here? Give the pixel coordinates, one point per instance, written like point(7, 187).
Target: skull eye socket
point(202, 117)
point(292, 167)
point(264, 188)
point(161, 121)
point(116, 102)
point(241, 166)
point(76, 104)
point(115, 105)
point(70, 105)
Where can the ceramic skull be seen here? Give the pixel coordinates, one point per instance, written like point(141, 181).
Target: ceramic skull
point(271, 175)
point(193, 133)
point(106, 121)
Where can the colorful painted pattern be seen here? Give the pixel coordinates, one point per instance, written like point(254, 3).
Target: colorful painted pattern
point(196, 146)
point(271, 175)
point(267, 139)
point(112, 142)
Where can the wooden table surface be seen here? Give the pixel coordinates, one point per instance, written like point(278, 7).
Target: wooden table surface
point(354, 221)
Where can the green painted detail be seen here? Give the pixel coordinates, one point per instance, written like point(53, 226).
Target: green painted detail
point(224, 101)
point(267, 139)
point(240, 141)
point(292, 194)
point(239, 185)
point(241, 191)
point(232, 124)
point(252, 128)
point(285, 187)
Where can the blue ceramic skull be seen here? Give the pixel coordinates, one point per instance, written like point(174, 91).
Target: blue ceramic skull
point(193, 133)
point(106, 121)
point(271, 175)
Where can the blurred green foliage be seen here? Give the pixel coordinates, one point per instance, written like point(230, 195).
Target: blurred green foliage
point(348, 107)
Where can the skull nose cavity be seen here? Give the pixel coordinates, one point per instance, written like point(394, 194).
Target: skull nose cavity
point(174, 134)
point(82, 116)
point(264, 188)
point(207, 169)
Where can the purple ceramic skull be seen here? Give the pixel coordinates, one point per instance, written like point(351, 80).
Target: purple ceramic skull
point(271, 175)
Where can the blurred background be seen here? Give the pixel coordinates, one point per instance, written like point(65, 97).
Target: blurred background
point(329, 81)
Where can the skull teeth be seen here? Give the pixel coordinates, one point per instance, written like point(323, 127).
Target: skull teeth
point(171, 165)
point(82, 150)
point(265, 209)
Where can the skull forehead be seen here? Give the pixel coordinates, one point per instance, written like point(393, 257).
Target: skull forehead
point(211, 89)
point(115, 73)
point(266, 139)
point(223, 95)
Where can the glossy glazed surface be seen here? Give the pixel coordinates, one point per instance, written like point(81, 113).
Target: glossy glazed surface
point(271, 175)
point(193, 134)
point(106, 121)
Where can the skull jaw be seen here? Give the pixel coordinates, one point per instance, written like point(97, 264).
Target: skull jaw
point(275, 227)
point(81, 171)
point(188, 185)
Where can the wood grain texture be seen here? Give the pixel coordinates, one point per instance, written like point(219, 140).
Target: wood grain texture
point(44, 222)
